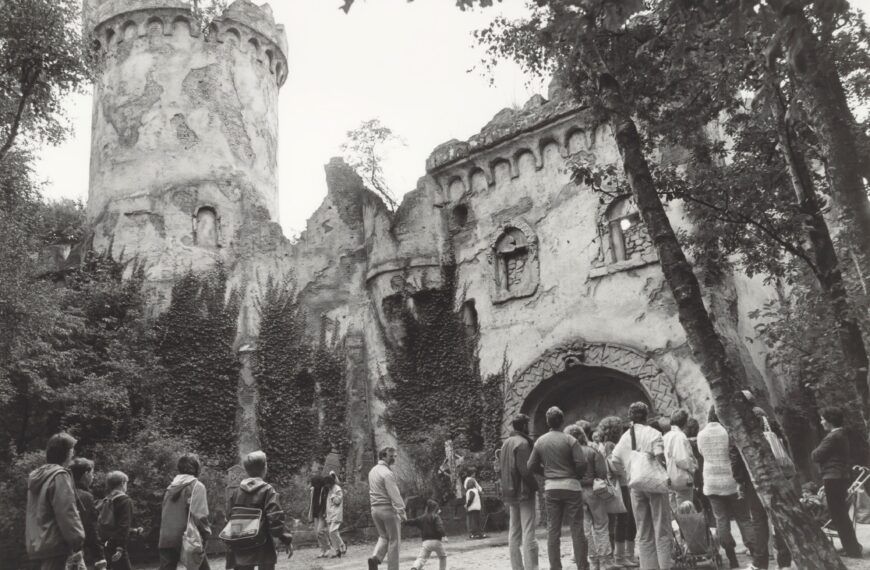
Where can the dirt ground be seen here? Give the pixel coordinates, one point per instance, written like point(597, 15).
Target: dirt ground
point(487, 554)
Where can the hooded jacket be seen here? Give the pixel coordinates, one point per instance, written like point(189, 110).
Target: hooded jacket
point(255, 493)
point(335, 505)
point(53, 525)
point(186, 494)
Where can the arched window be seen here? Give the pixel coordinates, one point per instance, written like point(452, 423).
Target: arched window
point(626, 232)
point(206, 227)
point(513, 257)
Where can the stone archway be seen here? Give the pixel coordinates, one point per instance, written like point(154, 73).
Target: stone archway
point(581, 360)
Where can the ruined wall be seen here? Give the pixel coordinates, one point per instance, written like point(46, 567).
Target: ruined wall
point(184, 142)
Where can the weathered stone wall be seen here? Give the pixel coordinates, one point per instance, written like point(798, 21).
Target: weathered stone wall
point(184, 141)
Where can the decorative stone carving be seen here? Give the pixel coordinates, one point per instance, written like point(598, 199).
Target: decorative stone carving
point(657, 385)
point(513, 261)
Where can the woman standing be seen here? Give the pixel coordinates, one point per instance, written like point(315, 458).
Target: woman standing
point(833, 457)
point(335, 514)
point(624, 531)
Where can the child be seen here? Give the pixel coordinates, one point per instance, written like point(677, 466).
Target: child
point(335, 514)
point(472, 508)
point(432, 532)
point(115, 521)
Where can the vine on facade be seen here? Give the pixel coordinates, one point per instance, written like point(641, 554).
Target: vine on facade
point(195, 345)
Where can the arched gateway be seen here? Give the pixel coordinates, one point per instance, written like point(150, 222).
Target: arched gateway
point(589, 380)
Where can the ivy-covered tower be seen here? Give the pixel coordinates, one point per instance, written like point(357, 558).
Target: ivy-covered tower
point(183, 169)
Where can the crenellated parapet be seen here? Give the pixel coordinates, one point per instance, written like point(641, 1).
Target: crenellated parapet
point(244, 25)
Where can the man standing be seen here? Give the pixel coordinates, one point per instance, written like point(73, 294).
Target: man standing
point(388, 510)
point(53, 528)
point(559, 458)
point(680, 460)
point(518, 488)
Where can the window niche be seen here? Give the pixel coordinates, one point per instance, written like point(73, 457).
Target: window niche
point(206, 227)
point(625, 242)
point(513, 261)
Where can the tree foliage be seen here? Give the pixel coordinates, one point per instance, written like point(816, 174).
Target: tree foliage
point(365, 150)
point(41, 61)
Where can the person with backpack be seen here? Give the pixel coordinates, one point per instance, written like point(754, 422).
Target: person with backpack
point(115, 521)
point(834, 458)
point(335, 514)
point(82, 471)
point(255, 502)
point(184, 499)
point(432, 533)
point(53, 526)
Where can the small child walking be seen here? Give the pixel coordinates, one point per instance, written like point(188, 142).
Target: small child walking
point(433, 535)
point(472, 507)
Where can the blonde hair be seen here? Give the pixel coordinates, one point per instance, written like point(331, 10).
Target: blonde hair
point(115, 479)
point(255, 464)
point(685, 508)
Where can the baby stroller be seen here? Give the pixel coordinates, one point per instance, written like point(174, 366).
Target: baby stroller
point(695, 546)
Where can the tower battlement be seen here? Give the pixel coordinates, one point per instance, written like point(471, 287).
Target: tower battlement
point(250, 27)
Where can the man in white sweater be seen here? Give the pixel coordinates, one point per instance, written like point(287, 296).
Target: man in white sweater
point(721, 488)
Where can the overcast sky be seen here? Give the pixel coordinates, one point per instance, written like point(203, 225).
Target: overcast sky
point(411, 65)
point(404, 63)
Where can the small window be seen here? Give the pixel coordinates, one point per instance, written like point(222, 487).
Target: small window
point(460, 215)
point(624, 228)
point(206, 227)
point(469, 318)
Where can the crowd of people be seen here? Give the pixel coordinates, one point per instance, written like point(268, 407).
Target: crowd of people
point(600, 481)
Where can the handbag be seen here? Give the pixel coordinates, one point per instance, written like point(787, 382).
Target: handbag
point(600, 488)
point(192, 548)
point(645, 472)
point(613, 504)
point(782, 457)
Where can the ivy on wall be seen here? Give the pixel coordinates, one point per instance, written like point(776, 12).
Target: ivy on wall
point(302, 408)
point(435, 389)
point(195, 346)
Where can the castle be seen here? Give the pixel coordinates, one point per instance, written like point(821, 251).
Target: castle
point(564, 288)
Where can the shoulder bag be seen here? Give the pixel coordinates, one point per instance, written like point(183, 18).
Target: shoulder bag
point(192, 548)
point(645, 473)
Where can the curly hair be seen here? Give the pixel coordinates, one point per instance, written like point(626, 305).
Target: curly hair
point(612, 428)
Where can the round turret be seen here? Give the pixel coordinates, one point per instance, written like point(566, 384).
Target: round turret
point(185, 131)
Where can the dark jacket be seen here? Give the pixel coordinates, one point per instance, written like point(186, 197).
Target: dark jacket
point(517, 482)
point(53, 526)
point(118, 534)
point(317, 501)
point(93, 550)
point(255, 493)
point(430, 525)
point(177, 505)
point(596, 468)
point(833, 455)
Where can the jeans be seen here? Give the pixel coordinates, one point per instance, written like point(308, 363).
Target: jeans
point(169, 558)
point(655, 537)
point(322, 533)
point(389, 529)
point(56, 563)
point(522, 543)
point(428, 547)
point(625, 530)
point(725, 509)
point(761, 533)
point(335, 538)
point(595, 525)
point(562, 507)
point(836, 493)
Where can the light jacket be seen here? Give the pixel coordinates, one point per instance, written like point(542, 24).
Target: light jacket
point(517, 482)
point(680, 459)
point(335, 505)
point(185, 494)
point(255, 493)
point(53, 527)
point(714, 444)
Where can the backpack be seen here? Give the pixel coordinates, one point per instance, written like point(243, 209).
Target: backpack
point(106, 515)
point(244, 529)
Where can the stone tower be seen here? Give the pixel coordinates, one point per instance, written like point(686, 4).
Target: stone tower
point(183, 169)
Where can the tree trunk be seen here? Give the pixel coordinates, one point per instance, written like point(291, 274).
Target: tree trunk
point(809, 546)
point(822, 90)
point(826, 268)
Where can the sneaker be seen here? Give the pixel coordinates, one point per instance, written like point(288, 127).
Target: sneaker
point(373, 563)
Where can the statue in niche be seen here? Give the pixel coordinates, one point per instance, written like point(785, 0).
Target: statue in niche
point(513, 257)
